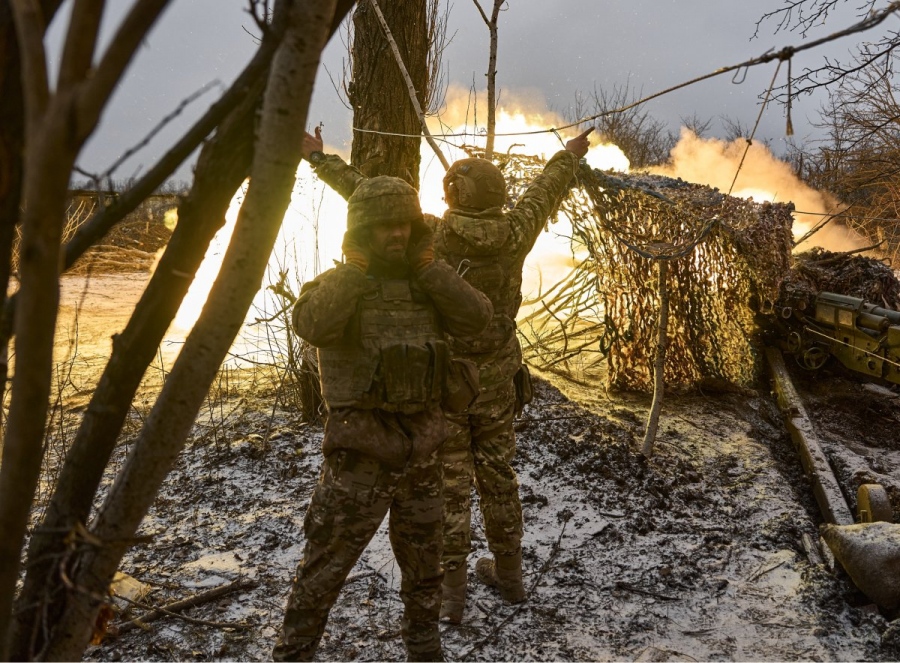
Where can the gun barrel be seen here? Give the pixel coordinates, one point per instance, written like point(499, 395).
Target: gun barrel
point(876, 323)
point(888, 314)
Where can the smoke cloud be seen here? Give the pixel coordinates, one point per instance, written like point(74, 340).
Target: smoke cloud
point(762, 177)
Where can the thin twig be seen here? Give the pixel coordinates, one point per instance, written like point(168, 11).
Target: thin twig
point(173, 609)
point(518, 608)
point(628, 587)
point(763, 572)
point(159, 127)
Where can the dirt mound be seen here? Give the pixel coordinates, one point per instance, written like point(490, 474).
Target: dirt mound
point(132, 244)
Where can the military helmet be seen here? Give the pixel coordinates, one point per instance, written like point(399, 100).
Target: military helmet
point(382, 198)
point(474, 184)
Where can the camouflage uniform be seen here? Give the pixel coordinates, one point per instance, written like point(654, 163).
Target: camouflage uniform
point(382, 435)
point(489, 248)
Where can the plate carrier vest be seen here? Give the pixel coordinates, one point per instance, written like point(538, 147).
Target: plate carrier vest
point(393, 358)
point(502, 285)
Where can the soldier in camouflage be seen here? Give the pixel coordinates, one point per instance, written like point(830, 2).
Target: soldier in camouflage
point(488, 246)
point(379, 322)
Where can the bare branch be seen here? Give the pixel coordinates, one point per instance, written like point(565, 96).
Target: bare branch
point(81, 40)
point(96, 90)
point(30, 32)
point(809, 14)
point(155, 130)
point(484, 17)
point(492, 80)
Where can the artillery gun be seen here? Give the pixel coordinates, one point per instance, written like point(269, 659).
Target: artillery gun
point(865, 338)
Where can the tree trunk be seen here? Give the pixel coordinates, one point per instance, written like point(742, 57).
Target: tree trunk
point(12, 133)
point(12, 145)
point(378, 92)
point(223, 165)
point(56, 126)
point(491, 76)
point(271, 180)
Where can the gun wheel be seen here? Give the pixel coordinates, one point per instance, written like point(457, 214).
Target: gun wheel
point(873, 504)
point(813, 359)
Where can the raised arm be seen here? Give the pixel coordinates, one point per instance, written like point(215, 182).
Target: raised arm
point(464, 310)
point(330, 168)
point(542, 196)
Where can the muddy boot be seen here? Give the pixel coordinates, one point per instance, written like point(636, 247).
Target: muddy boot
point(454, 590)
point(422, 639)
point(505, 573)
point(299, 637)
point(436, 655)
point(295, 649)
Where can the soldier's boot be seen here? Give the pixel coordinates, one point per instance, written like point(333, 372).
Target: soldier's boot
point(505, 573)
point(453, 603)
point(423, 640)
point(299, 637)
point(294, 651)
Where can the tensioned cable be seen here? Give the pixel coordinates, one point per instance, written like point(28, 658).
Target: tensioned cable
point(784, 54)
point(759, 117)
point(848, 216)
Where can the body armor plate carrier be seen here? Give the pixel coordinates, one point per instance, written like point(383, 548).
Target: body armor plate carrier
point(393, 358)
point(499, 282)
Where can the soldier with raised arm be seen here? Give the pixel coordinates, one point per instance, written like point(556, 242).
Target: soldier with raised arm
point(487, 245)
point(380, 322)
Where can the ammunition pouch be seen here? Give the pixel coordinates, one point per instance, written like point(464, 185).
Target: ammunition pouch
point(524, 388)
point(412, 376)
point(462, 386)
point(392, 358)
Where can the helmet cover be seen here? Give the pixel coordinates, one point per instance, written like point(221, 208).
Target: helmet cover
point(474, 184)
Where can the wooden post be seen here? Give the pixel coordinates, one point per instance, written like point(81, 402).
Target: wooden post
point(660, 361)
point(825, 485)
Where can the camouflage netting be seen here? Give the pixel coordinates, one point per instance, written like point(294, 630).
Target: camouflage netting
point(727, 260)
point(819, 270)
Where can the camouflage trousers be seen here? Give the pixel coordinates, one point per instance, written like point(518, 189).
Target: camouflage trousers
point(480, 447)
point(352, 497)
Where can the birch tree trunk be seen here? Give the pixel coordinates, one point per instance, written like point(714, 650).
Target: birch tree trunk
point(160, 441)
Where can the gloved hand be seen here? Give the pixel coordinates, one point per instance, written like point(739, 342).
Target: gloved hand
point(354, 252)
point(312, 143)
point(420, 252)
point(579, 145)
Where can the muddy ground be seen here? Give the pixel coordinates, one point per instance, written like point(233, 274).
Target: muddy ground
point(696, 554)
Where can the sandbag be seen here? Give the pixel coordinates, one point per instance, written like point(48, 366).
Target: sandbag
point(870, 553)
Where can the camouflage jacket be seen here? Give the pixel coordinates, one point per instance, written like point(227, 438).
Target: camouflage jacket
point(494, 245)
point(326, 316)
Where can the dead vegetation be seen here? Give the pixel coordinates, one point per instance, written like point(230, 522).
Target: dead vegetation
point(727, 258)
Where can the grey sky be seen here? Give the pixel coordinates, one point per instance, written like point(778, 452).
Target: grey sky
point(554, 49)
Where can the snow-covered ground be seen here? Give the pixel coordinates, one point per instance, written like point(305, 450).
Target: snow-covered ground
point(694, 555)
